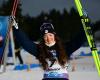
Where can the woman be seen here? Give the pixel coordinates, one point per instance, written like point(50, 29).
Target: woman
point(50, 52)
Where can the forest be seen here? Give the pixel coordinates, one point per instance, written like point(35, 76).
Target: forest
point(66, 24)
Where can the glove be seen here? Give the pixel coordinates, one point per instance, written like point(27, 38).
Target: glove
point(15, 24)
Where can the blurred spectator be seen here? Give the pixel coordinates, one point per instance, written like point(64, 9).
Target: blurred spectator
point(1, 41)
point(17, 51)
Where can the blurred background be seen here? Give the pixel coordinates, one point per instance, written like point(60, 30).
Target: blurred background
point(66, 20)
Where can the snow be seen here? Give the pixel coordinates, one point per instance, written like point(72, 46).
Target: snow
point(85, 68)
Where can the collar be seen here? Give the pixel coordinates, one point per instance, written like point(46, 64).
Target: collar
point(50, 45)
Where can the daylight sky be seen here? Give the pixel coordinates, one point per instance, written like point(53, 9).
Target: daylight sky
point(34, 7)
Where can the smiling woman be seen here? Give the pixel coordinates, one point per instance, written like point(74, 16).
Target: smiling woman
point(51, 53)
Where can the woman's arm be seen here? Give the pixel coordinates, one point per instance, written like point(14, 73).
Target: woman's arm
point(25, 42)
point(75, 43)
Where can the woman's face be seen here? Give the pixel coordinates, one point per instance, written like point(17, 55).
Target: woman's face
point(49, 38)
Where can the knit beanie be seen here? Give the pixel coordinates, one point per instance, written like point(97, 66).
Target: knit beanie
point(47, 28)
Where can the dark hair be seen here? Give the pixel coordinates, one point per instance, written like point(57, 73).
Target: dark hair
point(62, 56)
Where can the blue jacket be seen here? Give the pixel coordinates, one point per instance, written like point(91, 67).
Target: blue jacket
point(32, 48)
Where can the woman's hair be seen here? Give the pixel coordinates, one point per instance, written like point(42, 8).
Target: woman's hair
point(44, 54)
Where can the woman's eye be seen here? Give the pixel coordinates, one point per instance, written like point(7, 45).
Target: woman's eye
point(50, 35)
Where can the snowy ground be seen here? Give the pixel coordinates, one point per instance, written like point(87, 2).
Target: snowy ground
point(36, 74)
point(84, 69)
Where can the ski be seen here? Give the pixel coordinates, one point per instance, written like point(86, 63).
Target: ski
point(87, 28)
